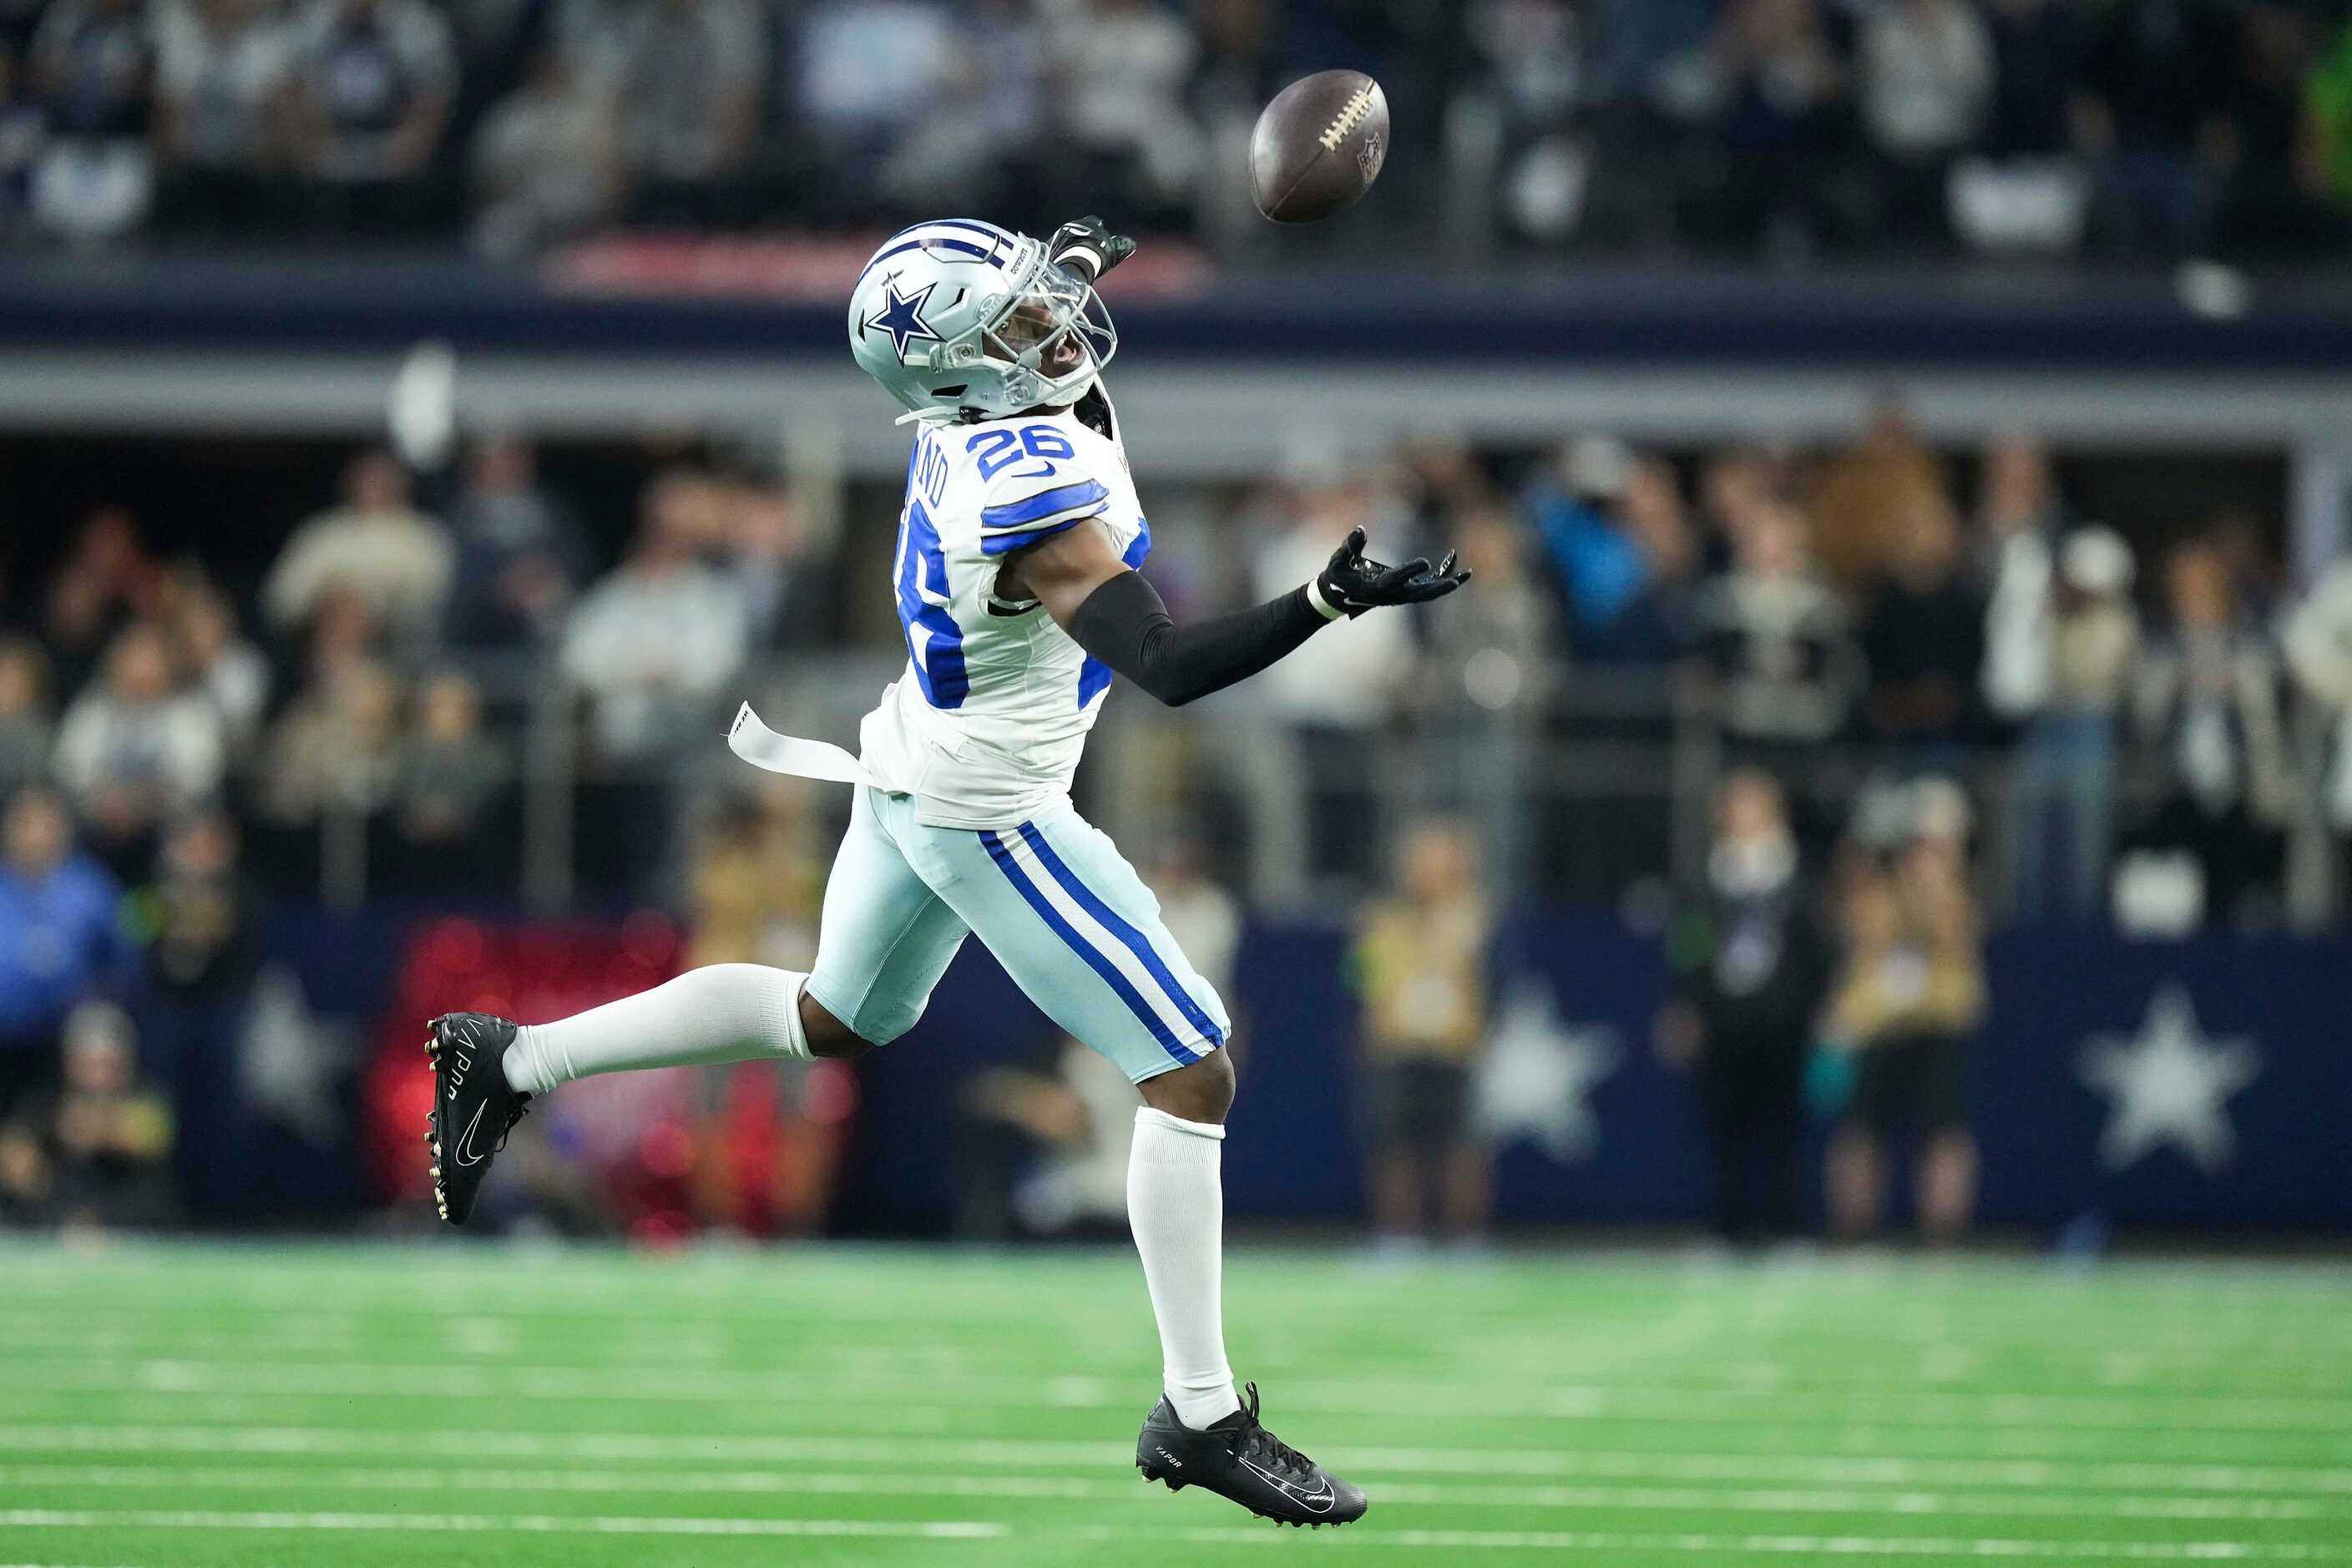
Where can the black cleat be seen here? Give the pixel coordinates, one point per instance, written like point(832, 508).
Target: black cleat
point(1240, 1459)
point(473, 1108)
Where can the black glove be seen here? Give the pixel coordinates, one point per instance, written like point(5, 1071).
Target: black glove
point(1088, 247)
point(1352, 585)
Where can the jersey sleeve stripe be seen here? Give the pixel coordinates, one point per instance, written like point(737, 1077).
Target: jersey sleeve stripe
point(1005, 543)
point(1045, 504)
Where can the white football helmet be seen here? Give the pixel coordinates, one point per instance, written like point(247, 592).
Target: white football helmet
point(962, 320)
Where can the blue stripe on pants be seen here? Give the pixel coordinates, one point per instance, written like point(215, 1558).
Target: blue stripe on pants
point(1137, 942)
point(1099, 961)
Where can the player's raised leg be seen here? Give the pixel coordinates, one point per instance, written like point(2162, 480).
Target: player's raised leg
point(885, 942)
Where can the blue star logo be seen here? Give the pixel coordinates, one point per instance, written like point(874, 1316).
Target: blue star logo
point(902, 317)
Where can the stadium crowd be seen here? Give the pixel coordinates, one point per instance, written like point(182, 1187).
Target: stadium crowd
point(1936, 689)
point(2157, 127)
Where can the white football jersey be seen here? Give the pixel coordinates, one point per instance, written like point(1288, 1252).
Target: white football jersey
point(985, 727)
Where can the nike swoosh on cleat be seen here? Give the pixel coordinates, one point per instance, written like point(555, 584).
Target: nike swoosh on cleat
point(1320, 1500)
point(465, 1155)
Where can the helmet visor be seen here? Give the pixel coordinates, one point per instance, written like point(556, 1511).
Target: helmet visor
point(1054, 325)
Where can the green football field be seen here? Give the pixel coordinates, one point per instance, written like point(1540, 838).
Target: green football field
point(261, 1407)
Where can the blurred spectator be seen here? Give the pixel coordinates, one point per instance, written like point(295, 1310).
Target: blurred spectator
point(451, 776)
point(2019, 520)
point(93, 66)
point(2206, 700)
point(1203, 918)
point(2274, 198)
point(1644, 42)
point(792, 590)
point(25, 727)
point(336, 748)
point(1657, 626)
point(1027, 1144)
point(1493, 648)
point(342, 638)
point(2065, 767)
point(1750, 969)
point(204, 949)
point(1923, 634)
point(376, 548)
point(685, 81)
point(2037, 53)
point(1616, 535)
point(1420, 966)
point(2318, 643)
point(972, 142)
point(105, 1136)
point(1734, 484)
point(1332, 697)
point(24, 1179)
point(18, 19)
point(1770, 93)
point(1539, 59)
point(24, 128)
point(867, 71)
point(2318, 638)
point(221, 664)
point(652, 643)
point(135, 747)
point(758, 881)
point(1120, 69)
point(520, 556)
point(1599, 565)
point(756, 884)
point(1925, 70)
point(1236, 77)
point(373, 84)
point(2156, 71)
point(1864, 497)
point(220, 77)
point(2244, 545)
point(107, 579)
point(546, 162)
point(60, 944)
point(2327, 109)
point(1910, 993)
point(1774, 638)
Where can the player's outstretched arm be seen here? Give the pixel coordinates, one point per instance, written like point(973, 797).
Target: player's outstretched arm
point(1118, 618)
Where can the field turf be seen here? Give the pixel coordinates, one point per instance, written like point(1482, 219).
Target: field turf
point(286, 1407)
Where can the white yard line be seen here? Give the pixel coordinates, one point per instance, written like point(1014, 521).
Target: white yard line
point(1929, 1367)
point(739, 1448)
point(2118, 1410)
point(1815, 1546)
point(604, 1524)
point(1612, 1541)
point(912, 1483)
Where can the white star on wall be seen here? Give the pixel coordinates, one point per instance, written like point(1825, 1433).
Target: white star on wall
point(289, 1059)
point(2169, 1084)
point(1538, 1077)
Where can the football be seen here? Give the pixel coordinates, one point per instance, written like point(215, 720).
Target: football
point(1319, 146)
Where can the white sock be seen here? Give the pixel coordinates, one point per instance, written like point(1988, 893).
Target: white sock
point(1176, 1206)
point(723, 1013)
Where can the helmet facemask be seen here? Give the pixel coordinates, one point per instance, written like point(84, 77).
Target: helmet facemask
point(1047, 342)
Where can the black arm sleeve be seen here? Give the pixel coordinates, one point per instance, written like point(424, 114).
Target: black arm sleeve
point(1125, 625)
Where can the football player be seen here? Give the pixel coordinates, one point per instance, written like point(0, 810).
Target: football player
point(1017, 581)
